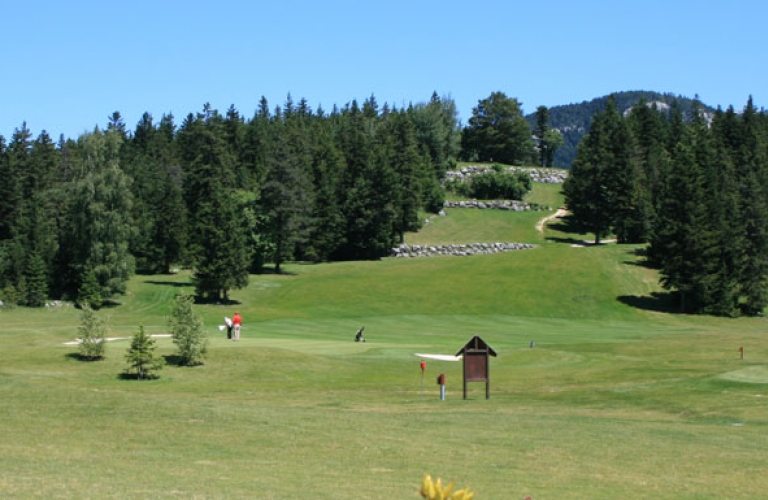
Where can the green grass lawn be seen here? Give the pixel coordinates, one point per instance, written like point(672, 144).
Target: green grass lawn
point(618, 397)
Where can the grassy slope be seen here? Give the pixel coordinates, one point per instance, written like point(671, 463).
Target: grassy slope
point(617, 399)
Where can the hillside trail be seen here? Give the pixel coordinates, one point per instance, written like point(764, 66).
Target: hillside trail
point(561, 212)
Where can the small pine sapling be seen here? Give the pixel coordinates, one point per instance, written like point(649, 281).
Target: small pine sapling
point(143, 362)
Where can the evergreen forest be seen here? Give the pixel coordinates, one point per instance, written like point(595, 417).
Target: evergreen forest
point(694, 187)
point(218, 193)
point(228, 196)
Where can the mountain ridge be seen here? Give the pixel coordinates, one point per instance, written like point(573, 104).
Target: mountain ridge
point(573, 120)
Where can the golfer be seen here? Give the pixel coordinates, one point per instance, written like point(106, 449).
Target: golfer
point(236, 322)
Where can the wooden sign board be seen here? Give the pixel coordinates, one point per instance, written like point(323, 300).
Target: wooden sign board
point(475, 367)
point(475, 356)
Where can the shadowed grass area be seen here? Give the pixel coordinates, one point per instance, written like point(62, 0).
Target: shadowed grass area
point(614, 400)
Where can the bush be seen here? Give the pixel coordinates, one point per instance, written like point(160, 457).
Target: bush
point(496, 184)
point(435, 198)
point(500, 185)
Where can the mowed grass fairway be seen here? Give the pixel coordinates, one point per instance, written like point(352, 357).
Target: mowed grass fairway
point(618, 398)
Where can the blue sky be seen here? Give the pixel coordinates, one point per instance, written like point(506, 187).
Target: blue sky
point(68, 65)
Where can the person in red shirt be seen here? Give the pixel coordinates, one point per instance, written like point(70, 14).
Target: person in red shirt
point(236, 322)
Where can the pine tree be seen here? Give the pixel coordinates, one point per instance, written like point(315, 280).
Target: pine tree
point(217, 236)
point(587, 189)
point(411, 176)
point(44, 201)
point(368, 203)
point(327, 232)
point(287, 195)
point(158, 209)
point(13, 165)
point(683, 241)
point(749, 147)
point(542, 127)
point(187, 331)
point(754, 270)
point(36, 281)
point(143, 362)
point(727, 227)
point(631, 205)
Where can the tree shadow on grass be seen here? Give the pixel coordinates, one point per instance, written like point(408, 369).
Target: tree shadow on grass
point(658, 301)
point(641, 263)
point(135, 376)
point(175, 360)
point(177, 284)
point(283, 272)
point(79, 357)
point(569, 241)
point(566, 226)
point(217, 302)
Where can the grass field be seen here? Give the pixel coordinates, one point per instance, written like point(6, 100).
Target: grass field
point(618, 397)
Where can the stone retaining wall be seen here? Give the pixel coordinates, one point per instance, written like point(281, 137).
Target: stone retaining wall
point(514, 205)
point(456, 250)
point(545, 175)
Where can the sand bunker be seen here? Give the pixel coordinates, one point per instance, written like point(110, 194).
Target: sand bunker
point(111, 339)
point(440, 357)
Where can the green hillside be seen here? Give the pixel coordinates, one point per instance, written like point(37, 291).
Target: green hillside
point(598, 392)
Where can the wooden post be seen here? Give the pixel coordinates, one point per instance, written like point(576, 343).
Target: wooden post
point(423, 369)
point(487, 378)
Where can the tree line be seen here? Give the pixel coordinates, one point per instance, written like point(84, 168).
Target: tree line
point(225, 195)
point(694, 187)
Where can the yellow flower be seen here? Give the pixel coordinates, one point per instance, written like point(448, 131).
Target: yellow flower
point(434, 490)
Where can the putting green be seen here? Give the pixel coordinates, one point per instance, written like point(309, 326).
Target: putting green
point(749, 375)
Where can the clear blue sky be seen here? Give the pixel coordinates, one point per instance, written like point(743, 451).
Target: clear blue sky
point(68, 65)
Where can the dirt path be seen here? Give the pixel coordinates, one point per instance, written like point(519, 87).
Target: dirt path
point(561, 212)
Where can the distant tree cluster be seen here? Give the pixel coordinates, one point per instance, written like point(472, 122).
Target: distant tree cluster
point(498, 132)
point(219, 194)
point(694, 188)
point(144, 363)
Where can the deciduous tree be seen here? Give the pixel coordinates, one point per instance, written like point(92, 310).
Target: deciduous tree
point(187, 331)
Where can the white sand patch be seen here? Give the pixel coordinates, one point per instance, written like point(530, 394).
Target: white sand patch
point(586, 243)
point(440, 357)
point(112, 339)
